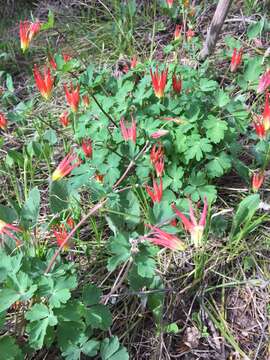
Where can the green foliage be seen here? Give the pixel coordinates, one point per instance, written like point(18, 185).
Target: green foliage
point(9, 347)
point(59, 196)
point(243, 221)
point(112, 350)
point(30, 211)
point(203, 124)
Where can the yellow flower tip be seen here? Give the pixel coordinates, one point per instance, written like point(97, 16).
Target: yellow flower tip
point(66, 247)
point(181, 246)
point(196, 235)
point(57, 175)
point(2, 225)
point(24, 47)
point(159, 94)
point(46, 95)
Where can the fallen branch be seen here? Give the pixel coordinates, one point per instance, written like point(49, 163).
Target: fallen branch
point(215, 28)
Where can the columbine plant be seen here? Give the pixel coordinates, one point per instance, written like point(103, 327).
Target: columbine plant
point(73, 96)
point(257, 180)
point(27, 31)
point(159, 81)
point(236, 59)
point(45, 83)
point(156, 192)
point(264, 82)
point(3, 121)
point(128, 133)
point(66, 166)
point(194, 227)
point(5, 229)
point(164, 239)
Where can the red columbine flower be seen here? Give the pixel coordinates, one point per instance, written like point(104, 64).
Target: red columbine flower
point(257, 180)
point(177, 32)
point(128, 133)
point(99, 177)
point(177, 84)
point(264, 82)
point(266, 113)
point(45, 84)
point(64, 120)
point(87, 148)
point(190, 33)
point(73, 96)
point(5, 230)
point(159, 133)
point(86, 100)
point(156, 153)
point(61, 234)
point(70, 223)
point(133, 62)
point(192, 226)
point(66, 166)
point(162, 238)
point(236, 59)
point(27, 31)
point(159, 166)
point(259, 126)
point(170, 3)
point(3, 121)
point(157, 159)
point(66, 57)
point(156, 192)
point(159, 81)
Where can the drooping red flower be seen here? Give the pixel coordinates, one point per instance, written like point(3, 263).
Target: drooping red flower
point(236, 59)
point(177, 32)
point(191, 225)
point(99, 177)
point(61, 234)
point(159, 133)
point(27, 31)
point(133, 62)
point(45, 83)
point(159, 166)
point(5, 230)
point(259, 126)
point(70, 222)
point(177, 84)
point(170, 3)
point(264, 82)
point(159, 81)
point(257, 180)
point(73, 96)
point(157, 159)
point(190, 33)
point(66, 57)
point(66, 166)
point(3, 121)
point(173, 222)
point(128, 133)
point(64, 120)
point(156, 192)
point(156, 153)
point(162, 238)
point(87, 147)
point(266, 113)
point(86, 100)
